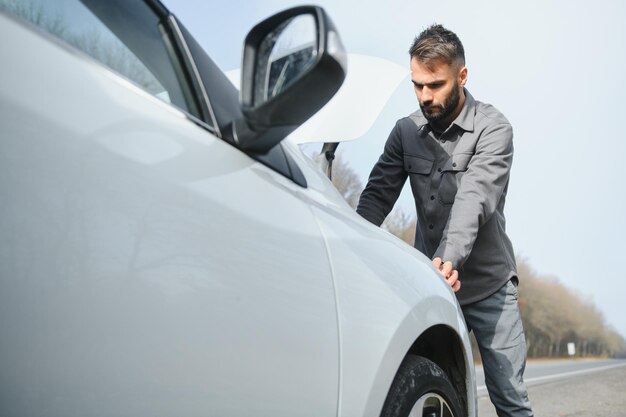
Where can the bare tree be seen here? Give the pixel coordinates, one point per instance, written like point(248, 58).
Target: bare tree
point(35, 14)
point(346, 180)
point(401, 224)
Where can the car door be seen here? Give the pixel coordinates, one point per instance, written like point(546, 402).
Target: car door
point(147, 266)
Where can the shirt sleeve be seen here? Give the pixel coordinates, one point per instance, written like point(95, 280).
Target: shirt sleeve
point(479, 193)
point(385, 181)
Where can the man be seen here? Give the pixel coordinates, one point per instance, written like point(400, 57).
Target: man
point(457, 154)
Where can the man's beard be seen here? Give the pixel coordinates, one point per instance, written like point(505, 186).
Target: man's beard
point(445, 110)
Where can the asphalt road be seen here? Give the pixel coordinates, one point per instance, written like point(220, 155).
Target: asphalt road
point(580, 388)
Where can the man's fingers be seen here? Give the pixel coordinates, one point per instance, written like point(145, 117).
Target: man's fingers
point(453, 280)
point(446, 269)
point(451, 275)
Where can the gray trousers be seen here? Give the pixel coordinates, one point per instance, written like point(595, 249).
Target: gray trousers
point(497, 326)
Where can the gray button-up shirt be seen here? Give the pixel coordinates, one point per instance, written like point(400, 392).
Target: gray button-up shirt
point(459, 181)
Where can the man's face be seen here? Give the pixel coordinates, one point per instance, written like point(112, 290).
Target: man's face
point(438, 88)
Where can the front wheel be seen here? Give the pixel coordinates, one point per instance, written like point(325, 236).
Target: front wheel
point(421, 389)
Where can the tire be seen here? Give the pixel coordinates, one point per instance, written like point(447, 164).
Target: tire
point(421, 389)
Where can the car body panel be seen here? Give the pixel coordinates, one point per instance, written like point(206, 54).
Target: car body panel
point(117, 267)
point(377, 309)
point(377, 300)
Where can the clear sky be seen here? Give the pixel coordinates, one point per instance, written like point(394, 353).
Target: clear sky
point(554, 68)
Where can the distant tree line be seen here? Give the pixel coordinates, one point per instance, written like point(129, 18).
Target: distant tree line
point(553, 314)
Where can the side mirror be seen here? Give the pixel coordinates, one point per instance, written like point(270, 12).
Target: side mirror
point(293, 63)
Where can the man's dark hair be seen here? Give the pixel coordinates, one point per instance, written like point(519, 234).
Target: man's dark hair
point(437, 43)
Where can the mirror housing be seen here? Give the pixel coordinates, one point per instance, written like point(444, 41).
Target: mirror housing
point(275, 104)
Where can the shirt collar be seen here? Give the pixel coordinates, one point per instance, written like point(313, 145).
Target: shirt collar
point(465, 119)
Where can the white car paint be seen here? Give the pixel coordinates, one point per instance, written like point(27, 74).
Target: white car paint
point(150, 268)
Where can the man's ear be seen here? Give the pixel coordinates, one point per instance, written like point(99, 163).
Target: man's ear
point(463, 76)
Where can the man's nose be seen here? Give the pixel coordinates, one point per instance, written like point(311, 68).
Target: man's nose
point(427, 95)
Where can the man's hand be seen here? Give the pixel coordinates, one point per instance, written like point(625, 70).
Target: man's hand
point(450, 275)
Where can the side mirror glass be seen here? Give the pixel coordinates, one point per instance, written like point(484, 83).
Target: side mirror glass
point(293, 63)
point(284, 55)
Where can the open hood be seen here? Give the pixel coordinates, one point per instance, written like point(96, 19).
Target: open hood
point(369, 84)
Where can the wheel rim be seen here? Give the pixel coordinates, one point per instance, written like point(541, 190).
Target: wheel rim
point(431, 405)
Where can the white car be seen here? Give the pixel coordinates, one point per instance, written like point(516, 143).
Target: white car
point(164, 252)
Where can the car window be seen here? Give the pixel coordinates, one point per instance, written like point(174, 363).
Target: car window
point(127, 37)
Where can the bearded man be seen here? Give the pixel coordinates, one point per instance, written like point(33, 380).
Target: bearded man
point(457, 154)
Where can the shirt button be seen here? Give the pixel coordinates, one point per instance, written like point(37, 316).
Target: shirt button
point(431, 226)
point(410, 166)
point(432, 197)
point(438, 169)
point(454, 164)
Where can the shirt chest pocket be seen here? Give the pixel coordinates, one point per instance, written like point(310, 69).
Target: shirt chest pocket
point(420, 170)
point(417, 165)
point(451, 175)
